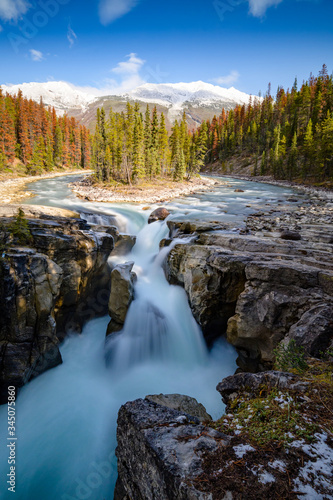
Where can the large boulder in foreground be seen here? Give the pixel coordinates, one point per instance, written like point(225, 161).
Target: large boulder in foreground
point(121, 296)
point(159, 452)
point(158, 214)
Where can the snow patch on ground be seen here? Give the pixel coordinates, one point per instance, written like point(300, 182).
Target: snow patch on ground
point(242, 449)
point(318, 469)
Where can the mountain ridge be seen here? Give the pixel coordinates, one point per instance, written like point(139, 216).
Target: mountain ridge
point(199, 100)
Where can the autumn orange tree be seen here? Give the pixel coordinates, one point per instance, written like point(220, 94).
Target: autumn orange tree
point(33, 134)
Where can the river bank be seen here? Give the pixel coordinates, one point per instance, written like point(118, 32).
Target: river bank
point(324, 192)
point(13, 190)
point(158, 191)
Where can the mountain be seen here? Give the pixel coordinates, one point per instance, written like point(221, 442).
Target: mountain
point(63, 96)
point(199, 100)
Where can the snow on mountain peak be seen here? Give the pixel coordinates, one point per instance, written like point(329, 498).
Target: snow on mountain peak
point(178, 93)
point(62, 95)
point(65, 97)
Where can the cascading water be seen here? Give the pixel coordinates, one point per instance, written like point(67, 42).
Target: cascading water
point(159, 324)
point(66, 418)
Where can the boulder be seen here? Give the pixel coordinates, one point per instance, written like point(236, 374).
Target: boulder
point(290, 235)
point(314, 330)
point(122, 294)
point(160, 213)
point(181, 403)
point(29, 289)
point(160, 452)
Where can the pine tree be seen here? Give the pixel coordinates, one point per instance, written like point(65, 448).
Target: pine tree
point(138, 150)
point(163, 146)
point(292, 158)
point(308, 150)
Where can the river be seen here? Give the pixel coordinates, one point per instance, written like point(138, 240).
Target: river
point(66, 418)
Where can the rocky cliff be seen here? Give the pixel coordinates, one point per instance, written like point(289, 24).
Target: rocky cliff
point(50, 288)
point(270, 281)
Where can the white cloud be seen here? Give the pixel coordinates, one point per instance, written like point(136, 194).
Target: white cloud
point(36, 55)
point(71, 36)
point(258, 7)
point(228, 79)
point(110, 10)
point(130, 67)
point(11, 10)
point(127, 77)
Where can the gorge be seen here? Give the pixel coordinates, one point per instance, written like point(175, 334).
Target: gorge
point(238, 274)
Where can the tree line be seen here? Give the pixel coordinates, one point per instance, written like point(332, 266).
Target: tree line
point(129, 146)
point(34, 135)
point(289, 137)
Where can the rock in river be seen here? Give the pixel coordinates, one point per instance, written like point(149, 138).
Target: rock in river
point(121, 296)
point(158, 214)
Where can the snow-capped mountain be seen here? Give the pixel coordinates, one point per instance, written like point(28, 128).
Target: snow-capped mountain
point(63, 96)
point(199, 100)
point(177, 97)
point(178, 93)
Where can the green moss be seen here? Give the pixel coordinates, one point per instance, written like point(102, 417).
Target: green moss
point(275, 417)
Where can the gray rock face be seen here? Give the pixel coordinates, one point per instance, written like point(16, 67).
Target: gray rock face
point(29, 288)
point(121, 296)
point(257, 289)
point(160, 451)
point(314, 331)
point(158, 214)
point(47, 291)
point(181, 403)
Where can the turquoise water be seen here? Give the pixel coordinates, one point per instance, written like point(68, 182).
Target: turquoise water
point(66, 418)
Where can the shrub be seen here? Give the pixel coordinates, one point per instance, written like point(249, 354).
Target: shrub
point(290, 357)
point(19, 228)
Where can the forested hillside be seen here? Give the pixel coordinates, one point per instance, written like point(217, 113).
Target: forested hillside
point(35, 136)
point(289, 137)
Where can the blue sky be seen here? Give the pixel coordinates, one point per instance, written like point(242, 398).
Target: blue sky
point(119, 44)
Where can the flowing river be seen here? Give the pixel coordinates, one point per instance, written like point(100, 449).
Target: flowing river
point(66, 418)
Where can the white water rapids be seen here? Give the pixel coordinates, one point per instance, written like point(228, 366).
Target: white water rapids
point(66, 418)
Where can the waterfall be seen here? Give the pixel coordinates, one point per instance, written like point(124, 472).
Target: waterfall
point(159, 325)
point(66, 417)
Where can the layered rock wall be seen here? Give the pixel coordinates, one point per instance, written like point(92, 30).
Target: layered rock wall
point(48, 290)
point(258, 289)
